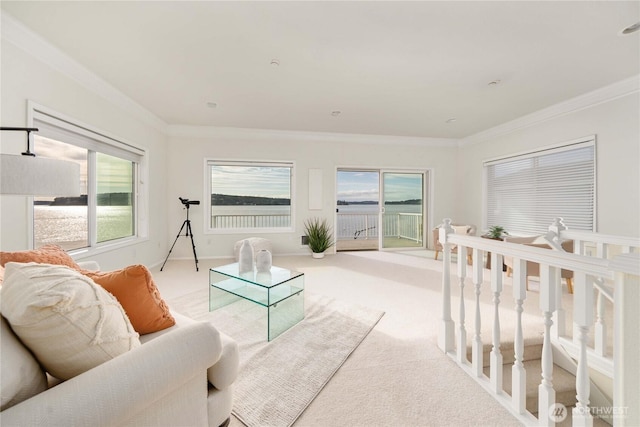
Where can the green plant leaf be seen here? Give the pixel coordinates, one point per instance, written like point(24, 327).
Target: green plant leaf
point(318, 234)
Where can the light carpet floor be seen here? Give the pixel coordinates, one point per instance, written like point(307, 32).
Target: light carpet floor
point(397, 376)
point(278, 379)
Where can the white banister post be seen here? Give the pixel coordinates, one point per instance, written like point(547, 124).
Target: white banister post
point(495, 357)
point(546, 393)
point(477, 349)
point(600, 339)
point(601, 250)
point(583, 318)
point(559, 326)
point(554, 238)
point(626, 339)
point(462, 332)
point(518, 373)
point(446, 335)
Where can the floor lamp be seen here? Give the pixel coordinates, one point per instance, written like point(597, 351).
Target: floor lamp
point(29, 175)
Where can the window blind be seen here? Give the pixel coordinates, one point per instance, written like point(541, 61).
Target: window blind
point(55, 128)
point(526, 192)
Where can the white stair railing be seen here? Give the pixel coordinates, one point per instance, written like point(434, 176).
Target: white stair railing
point(588, 273)
point(600, 246)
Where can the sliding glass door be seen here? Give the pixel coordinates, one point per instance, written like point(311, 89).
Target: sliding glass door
point(380, 209)
point(402, 210)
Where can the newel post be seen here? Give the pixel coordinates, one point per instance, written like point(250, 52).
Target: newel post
point(553, 235)
point(446, 334)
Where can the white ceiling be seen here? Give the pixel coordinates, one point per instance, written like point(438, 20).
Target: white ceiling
point(391, 68)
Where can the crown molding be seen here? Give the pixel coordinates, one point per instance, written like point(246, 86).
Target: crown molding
point(35, 45)
point(230, 133)
point(608, 93)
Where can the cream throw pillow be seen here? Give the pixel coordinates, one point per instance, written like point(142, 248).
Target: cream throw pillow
point(69, 323)
point(460, 229)
point(20, 374)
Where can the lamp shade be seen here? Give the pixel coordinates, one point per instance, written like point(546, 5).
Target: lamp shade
point(38, 176)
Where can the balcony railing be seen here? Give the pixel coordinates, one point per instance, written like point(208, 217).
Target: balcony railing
point(250, 221)
point(355, 225)
point(365, 226)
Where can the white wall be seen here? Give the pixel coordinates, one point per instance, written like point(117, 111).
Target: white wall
point(309, 151)
point(615, 123)
point(26, 78)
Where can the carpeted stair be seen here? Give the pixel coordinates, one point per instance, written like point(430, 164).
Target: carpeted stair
point(563, 381)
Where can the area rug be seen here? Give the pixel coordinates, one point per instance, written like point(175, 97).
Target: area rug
point(279, 379)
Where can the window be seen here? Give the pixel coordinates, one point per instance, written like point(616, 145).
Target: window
point(254, 196)
point(526, 192)
point(106, 211)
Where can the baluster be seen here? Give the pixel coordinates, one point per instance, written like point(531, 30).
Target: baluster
point(518, 373)
point(546, 393)
point(462, 332)
point(495, 357)
point(583, 318)
point(601, 250)
point(446, 335)
point(600, 341)
point(366, 226)
point(477, 348)
point(558, 329)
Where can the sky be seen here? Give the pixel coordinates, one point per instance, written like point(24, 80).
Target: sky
point(260, 181)
point(365, 186)
point(114, 175)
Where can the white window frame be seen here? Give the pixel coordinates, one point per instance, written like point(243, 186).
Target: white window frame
point(588, 141)
point(62, 128)
point(207, 196)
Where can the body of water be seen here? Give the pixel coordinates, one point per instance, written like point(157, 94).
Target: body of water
point(68, 226)
point(374, 209)
point(285, 210)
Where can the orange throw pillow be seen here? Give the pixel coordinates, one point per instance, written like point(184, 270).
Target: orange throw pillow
point(47, 254)
point(134, 288)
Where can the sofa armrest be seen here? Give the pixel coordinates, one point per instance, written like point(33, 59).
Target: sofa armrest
point(225, 371)
point(117, 390)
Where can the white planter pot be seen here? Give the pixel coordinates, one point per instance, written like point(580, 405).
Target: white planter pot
point(317, 255)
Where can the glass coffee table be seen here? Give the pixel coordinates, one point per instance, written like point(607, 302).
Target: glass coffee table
point(280, 291)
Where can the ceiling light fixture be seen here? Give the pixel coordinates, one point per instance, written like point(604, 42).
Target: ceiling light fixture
point(212, 105)
point(28, 175)
point(336, 113)
point(451, 120)
point(630, 29)
point(275, 63)
point(494, 82)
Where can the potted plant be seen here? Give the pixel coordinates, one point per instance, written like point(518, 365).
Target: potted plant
point(496, 232)
point(319, 236)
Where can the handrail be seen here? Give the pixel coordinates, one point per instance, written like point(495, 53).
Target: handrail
point(599, 285)
point(600, 238)
point(590, 275)
point(569, 261)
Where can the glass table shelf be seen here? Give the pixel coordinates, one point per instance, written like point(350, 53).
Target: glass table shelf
point(280, 291)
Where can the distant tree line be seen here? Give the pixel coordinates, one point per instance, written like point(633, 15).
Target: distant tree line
point(375, 202)
point(104, 199)
point(228, 200)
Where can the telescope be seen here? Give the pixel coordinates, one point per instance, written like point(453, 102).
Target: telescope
point(188, 202)
point(188, 233)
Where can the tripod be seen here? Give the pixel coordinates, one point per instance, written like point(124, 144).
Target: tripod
point(188, 233)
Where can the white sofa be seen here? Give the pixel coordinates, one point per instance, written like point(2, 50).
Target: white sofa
point(182, 376)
